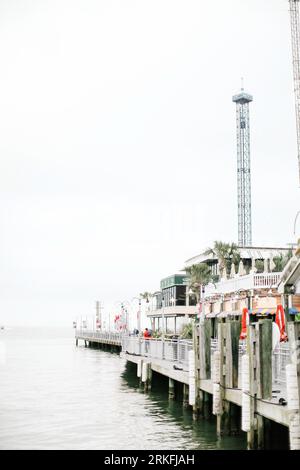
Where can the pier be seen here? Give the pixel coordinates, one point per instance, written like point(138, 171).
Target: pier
point(249, 386)
point(94, 338)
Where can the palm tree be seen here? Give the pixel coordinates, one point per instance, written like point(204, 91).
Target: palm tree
point(146, 295)
point(281, 261)
point(227, 253)
point(200, 275)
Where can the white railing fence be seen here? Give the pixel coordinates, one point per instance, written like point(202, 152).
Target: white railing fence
point(176, 351)
point(167, 350)
point(105, 335)
point(249, 281)
point(281, 358)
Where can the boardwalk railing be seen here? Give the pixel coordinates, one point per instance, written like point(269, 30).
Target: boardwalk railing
point(177, 351)
point(249, 281)
point(100, 335)
point(168, 350)
point(281, 358)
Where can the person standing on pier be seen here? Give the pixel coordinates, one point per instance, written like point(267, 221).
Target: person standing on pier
point(146, 335)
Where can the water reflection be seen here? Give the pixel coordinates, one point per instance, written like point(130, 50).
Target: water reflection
point(200, 434)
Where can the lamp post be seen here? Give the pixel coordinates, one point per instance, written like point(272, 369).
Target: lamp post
point(163, 316)
point(125, 305)
point(201, 313)
point(139, 313)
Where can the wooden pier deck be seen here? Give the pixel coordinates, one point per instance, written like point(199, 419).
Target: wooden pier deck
point(270, 409)
point(246, 397)
point(244, 384)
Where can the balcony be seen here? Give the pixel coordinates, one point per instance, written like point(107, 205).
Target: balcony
point(173, 311)
point(250, 281)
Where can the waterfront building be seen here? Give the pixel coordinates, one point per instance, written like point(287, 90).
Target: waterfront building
point(228, 294)
point(289, 286)
point(174, 304)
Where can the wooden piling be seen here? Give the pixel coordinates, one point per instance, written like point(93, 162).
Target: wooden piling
point(206, 406)
point(264, 363)
point(235, 419)
point(171, 389)
point(253, 360)
point(149, 378)
point(195, 375)
point(204, 355)
point(233, 329)
point(222, 416)
point(185, 401)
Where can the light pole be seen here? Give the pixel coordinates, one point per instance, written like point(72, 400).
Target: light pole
point(139, 313)
point(202, 315)
point(163, 316)
point(126, 314)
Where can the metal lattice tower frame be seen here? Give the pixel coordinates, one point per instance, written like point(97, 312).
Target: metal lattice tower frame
point(294, 11)
point(242, 101)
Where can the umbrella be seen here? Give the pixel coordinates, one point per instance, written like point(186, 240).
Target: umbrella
point(280, 321)
point(224, 273)
point(253, 267)
point(266, 268)
point(245, 323)
point(232, 271)
point(241, 270)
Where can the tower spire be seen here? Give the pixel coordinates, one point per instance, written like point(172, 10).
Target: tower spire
point(242, 101)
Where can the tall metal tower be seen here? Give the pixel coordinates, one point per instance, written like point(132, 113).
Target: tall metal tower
point(242, 101)
point(294, 11)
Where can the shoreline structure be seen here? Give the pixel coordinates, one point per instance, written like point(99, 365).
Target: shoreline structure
point(239, 366)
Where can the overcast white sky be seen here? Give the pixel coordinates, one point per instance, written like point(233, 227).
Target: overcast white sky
point(118, 145)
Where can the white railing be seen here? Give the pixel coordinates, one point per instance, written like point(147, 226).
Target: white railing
point(104, 335)
point(266, 279)
point(174, 310)
point(280, 359)
point(175, 351)
point(242, 351)
point(250, 281)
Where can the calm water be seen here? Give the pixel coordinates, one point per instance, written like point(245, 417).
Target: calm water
point(56, 396)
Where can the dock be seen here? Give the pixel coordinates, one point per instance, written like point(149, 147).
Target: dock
point(249, 386)
point(94, 338)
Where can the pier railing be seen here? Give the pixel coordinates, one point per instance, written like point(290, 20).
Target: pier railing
point(99, 335)
point(280, 359)
point(249, 281)
point(175, 351)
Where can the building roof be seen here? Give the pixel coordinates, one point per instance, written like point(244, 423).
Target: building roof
point(291, 274)
point(174, 280)
point(257, 252)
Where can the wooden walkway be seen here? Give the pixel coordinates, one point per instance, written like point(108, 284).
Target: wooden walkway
point(98, 337)
point(244, 384)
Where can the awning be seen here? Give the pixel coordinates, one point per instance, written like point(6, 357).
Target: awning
point(227, 314)
point(211, 315)
point(294, 310)
point(263, 311)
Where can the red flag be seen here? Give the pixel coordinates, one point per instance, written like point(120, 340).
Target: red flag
point(245, 322)
point(280, 321)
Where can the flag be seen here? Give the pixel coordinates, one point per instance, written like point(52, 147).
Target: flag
point(245, 323)
point(280, 321)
